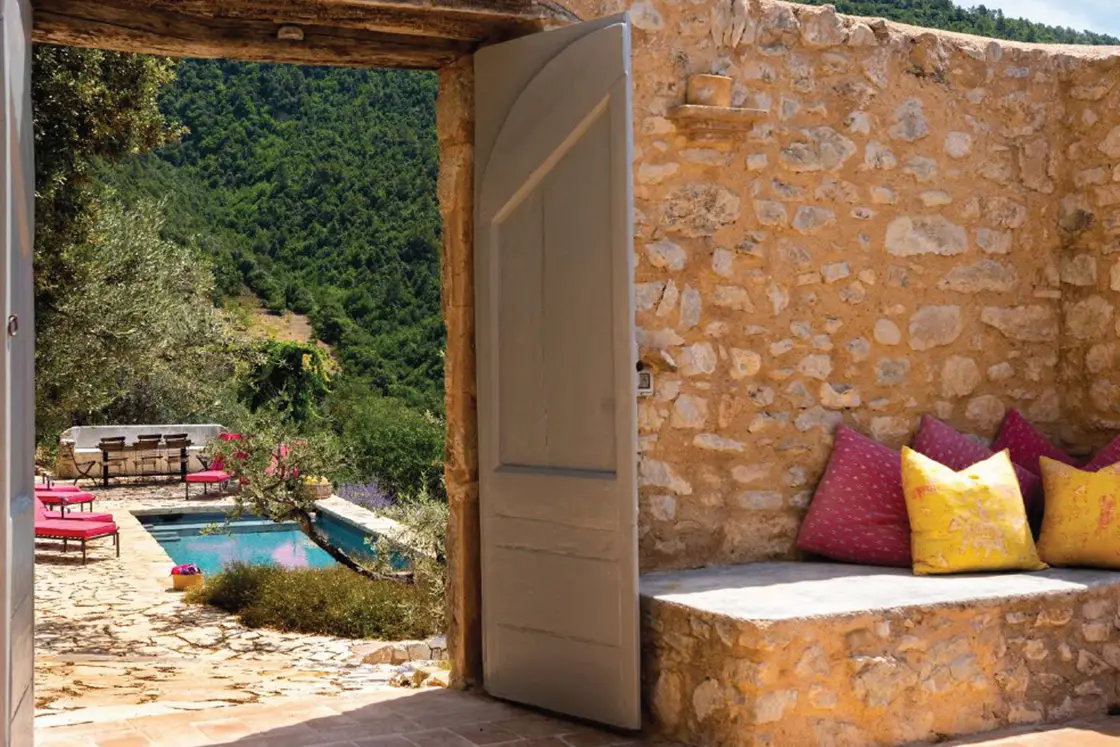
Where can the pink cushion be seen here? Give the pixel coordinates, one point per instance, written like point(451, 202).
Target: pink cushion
point(943, 443)
point(858, 514)
point(79, 516)
point(1106, 457)
point(1027, 444)
point(208, 476)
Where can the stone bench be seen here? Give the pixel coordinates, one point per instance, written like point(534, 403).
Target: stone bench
point(789, 654)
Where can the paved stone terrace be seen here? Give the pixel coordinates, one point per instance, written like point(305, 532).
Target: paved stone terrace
point(429, 719)
point(112, 641)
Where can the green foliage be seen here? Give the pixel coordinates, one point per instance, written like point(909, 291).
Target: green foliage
point(88, 105)
point(388, 441)
point(288, 377)
point(334, 601)
point(420, 542)
point(979, 20)
point(315, 187)
point(134, 338)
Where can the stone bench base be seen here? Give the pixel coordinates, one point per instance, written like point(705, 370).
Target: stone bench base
point(791, 654)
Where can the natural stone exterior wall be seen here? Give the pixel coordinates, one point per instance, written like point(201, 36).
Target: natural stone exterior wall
point(899, 676)
point(920, 222)
point(1089, 228)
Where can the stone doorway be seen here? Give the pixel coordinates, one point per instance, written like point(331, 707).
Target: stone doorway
point(393, 34)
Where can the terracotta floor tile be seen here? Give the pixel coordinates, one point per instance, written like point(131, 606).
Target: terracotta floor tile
point(63, 741)
point(543, 742)
point(586, 737)
point(438, 738)
point(136, 739)
point(178, 735)
point(390, 741)
point(536, 726)
point(485, 733)
point(375, 728)
point(227, 729)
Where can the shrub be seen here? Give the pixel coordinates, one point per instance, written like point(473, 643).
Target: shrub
point(332, 601)
point(420, 542)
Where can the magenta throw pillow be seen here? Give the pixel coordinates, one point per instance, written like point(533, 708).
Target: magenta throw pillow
point(1106, 457)
point(1027, 444)
point(858, 513)
point(945, 444)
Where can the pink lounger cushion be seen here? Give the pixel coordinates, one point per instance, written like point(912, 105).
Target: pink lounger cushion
point(79, 516)
point(58, 529)
point(209, 476)
point(858, 513)
point(52, 498)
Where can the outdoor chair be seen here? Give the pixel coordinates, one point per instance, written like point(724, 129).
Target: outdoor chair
point(69, 530)
point(148, 454)
point(113, 454)
point(176, 449)
point(84, 468)
point(213, 476)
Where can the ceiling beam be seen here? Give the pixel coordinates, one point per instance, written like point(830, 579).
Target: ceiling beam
point(473, 20)
point(105, 24)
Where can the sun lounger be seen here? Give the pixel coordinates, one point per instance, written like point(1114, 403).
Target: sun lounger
point(69, 530)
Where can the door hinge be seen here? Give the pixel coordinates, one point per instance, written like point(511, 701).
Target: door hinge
point(13, 325)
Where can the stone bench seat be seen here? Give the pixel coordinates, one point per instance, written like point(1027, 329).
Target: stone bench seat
point(792, 654)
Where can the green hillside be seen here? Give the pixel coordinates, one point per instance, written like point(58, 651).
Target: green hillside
point(315, 187)
point(979, 20)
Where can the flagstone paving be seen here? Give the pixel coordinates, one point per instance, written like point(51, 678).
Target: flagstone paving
point(111, 638)
point(430, 719)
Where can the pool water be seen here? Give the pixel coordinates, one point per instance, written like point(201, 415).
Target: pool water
point(250, 540)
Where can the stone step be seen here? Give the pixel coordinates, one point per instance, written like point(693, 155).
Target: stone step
point(812, 653)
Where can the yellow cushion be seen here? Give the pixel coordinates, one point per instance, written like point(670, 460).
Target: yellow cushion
point(972, 520)
point(1082, 521)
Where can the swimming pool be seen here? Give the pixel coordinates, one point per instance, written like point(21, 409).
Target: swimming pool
point(250, 540)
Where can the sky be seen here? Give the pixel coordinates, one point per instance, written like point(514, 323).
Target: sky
point(1102, 16)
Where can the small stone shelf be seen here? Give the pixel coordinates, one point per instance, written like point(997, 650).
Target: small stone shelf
point(716, 118)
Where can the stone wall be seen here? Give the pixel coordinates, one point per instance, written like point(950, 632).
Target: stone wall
point(900, 232)
point(909, 674)
point(1089, 228)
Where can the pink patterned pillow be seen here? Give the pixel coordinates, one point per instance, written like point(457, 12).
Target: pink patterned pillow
point(858, 514)
point(1106, 457)
point(1027, 443)
point(943, 443)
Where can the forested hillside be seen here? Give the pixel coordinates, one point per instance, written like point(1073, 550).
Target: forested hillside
point(314, 187)
point(979, 20)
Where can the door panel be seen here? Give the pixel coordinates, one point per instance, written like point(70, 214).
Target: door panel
point(17, 430)
point(556, 371)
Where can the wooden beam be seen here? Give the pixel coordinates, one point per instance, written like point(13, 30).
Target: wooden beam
point(106, 25)
point(473, 20)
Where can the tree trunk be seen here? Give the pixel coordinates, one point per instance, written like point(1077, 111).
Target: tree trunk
point(308, 528)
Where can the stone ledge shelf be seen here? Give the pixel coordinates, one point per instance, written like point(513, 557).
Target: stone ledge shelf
point(815, 654)
point(715, 118)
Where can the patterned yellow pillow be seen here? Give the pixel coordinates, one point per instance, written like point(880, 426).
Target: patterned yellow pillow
point(972, 520)
point(1082, 521)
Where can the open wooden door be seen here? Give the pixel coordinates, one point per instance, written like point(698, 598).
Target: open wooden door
point(557, 372)
point(17, 370)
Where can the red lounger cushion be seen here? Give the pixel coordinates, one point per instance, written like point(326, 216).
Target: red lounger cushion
point(79, 516)
point(209, 476)
point(51, 498)
point(858, 514)
point(1027, 444)
point(73, 529)
point(948, 446)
